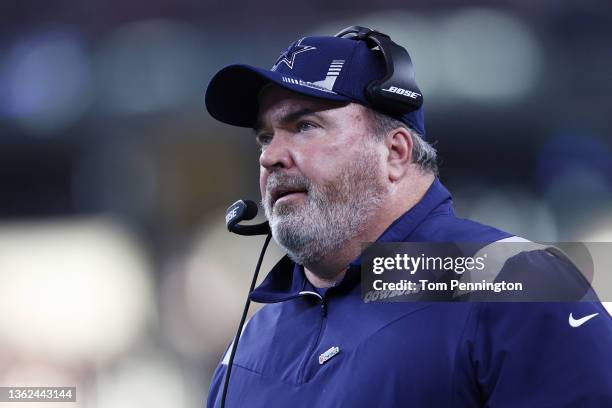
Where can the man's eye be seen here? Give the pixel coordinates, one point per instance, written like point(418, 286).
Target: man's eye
point(304, 126)
point(263, 140)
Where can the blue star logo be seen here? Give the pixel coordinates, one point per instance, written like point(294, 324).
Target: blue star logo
point(288, 57)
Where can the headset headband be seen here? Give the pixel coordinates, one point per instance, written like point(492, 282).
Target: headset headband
point(397, 92)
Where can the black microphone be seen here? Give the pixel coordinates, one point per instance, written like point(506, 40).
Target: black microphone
point(244, 210)
point(239, 211)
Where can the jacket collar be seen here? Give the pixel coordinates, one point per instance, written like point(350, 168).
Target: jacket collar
point(286, 279)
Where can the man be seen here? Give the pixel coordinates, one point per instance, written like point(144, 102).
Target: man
point(337, 172)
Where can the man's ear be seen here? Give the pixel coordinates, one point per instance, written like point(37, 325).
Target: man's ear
point(399, 147)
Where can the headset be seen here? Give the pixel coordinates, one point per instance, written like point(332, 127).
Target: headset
point(243, 210)
point(397, 92)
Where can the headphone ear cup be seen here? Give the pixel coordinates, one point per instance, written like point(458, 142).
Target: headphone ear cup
point(397, 92)
point(385, 101)
point(393, 99)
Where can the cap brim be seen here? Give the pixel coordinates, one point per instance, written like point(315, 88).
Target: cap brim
point(233, 93)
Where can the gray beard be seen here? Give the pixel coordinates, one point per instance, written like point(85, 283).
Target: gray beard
point(332, 214)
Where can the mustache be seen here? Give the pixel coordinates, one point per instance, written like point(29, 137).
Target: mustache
point(289, 181)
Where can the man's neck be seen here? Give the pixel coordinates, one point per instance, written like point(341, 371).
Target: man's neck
point(331, 269)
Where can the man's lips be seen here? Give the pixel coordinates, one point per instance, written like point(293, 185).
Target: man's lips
point(280, 193)
point(290, 195)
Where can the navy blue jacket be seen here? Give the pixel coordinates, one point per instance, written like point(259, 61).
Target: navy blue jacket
point(327, 348)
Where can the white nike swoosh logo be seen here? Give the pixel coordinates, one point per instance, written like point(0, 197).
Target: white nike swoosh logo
point(579, 322)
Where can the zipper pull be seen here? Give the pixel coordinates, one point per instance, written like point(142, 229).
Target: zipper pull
point(323, 308)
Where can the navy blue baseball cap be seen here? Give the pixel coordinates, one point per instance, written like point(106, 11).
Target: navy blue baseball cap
point(326, 67)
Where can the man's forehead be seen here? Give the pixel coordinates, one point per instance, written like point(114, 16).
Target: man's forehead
point(275, 102)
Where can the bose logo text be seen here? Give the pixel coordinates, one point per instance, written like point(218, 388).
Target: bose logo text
point(402, 91)
point(231, 214)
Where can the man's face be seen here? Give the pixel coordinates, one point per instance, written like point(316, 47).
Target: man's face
point(320, 172)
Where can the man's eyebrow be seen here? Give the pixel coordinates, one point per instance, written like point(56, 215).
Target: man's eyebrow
point(288, 118)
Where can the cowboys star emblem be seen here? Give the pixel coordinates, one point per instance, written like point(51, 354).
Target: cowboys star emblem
point(288, 57)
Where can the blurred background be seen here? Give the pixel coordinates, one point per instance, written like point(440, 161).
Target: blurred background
point(118, 275)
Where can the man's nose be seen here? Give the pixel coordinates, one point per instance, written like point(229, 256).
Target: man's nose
point(276, 154)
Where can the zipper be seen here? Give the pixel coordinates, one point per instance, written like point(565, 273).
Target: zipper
point(323, 308)
point(307, 360)
point(321, 301)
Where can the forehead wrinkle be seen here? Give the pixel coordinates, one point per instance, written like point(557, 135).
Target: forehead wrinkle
point(279, 107)
point(287, 116)
point(283, 105)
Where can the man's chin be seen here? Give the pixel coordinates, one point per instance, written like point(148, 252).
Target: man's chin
point(287, 224)
point(290, 208)
point(286, 219)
